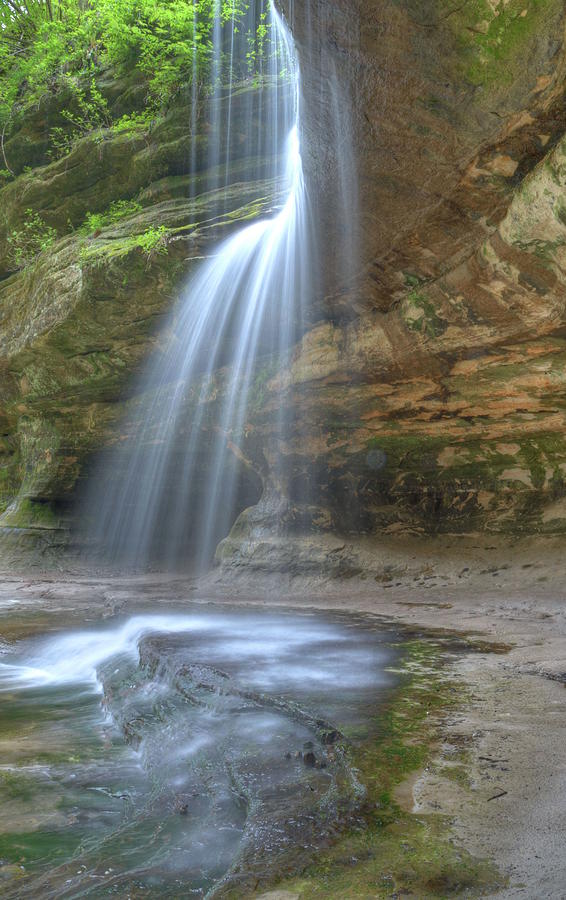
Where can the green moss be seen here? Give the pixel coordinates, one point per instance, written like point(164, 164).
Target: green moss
point(394, 852)
point(495, 40)
point(532, 455)
point(150, 242)
point(419, 314)
point(479, 463)
point(26, 513)
point(31, 847)
point(458, 774)
point(15, 786)
point(557, 484)
point(543, 250)
point(408, 450)
point(250, 211)
point(119, 209)
point(412, 281)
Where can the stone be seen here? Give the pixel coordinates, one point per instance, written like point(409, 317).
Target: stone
point(428, 386)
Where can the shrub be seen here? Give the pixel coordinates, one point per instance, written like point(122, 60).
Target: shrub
point(120, 209)
point(48, 45)
point(26, 243)
point(154, 240)
point(91, 112)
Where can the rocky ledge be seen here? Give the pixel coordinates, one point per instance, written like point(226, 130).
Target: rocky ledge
point(429, 384)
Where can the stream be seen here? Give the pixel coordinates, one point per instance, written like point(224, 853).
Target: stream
point(187, 753)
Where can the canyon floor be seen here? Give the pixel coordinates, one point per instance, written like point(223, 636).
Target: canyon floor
point(509, 805)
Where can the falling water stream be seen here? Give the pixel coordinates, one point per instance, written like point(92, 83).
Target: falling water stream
point(195, 751)
point(240, 311)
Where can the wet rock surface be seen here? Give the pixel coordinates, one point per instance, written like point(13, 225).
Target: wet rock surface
point(430, 395)
point(428, 387)
point(78, 321)
point(512, 709)
point(181, 751)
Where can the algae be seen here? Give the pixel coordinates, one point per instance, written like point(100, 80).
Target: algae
point(389, 851)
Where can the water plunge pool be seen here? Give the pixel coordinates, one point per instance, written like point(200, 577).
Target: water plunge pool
point(187, 753)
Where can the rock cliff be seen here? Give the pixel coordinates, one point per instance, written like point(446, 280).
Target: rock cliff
point(79, 317)
point(432, 394)
point(430, 383)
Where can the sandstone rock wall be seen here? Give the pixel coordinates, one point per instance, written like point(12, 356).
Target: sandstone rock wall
point(432, 388)
point(429, 388)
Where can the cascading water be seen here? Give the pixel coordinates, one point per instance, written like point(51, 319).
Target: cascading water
point(196, 752)
point(238, 316)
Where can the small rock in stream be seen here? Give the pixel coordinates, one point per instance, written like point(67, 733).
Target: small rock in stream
point(181, 806)
point(330, 737)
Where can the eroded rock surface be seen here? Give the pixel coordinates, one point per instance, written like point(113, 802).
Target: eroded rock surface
point(429, 385)
point(431, 395)
point(78, 321)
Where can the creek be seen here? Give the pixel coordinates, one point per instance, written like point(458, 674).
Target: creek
point(183, 753)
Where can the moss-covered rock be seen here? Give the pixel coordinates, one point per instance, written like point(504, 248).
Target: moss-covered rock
point(80, 317)
point(429, 388)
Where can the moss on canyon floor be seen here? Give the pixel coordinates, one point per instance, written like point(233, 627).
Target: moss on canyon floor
point(391, 852)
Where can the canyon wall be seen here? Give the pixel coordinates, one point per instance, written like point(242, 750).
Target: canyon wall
point(432, 390)
point(429, 386)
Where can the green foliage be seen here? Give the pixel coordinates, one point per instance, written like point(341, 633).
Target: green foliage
point(257, 42)
point(63, 47)
point(30, 240)
point(167, 40)
point(153, 241)
point(45, 46)
point(39, 42)
point(134, 122)
point(120, 209)
point(91, 113)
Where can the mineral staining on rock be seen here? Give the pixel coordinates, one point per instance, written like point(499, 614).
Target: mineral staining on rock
point(428, 392)
point(445, 361)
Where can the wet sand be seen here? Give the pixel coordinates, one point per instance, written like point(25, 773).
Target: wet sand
point(513, 727)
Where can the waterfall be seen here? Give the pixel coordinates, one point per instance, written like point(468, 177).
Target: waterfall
point(238, 315)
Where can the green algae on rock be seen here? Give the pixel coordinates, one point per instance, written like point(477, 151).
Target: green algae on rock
point(392, 849)
point(449, 340)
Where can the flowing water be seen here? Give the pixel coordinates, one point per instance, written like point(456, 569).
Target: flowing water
point(196, 752)
point(179, 754)
point(238, 316)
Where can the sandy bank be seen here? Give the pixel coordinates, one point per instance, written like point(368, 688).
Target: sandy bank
point(509, 806)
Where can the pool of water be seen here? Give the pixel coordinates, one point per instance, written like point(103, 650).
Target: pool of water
point(188, 753)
